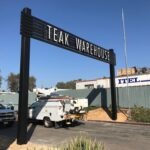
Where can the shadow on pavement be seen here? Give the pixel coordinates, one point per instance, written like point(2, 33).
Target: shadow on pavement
point(7, 135)
point(74, 124)
point(31, 128)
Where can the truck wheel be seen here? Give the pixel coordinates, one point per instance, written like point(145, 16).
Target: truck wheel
point(47, 122)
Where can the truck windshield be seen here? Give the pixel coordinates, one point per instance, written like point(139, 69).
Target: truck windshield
point(35, 104)
point(2, 107)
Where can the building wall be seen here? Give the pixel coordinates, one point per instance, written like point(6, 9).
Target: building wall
point(134, 80)
point(103, 83)
point(82, 84)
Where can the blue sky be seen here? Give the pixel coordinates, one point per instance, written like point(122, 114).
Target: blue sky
point(98, 21)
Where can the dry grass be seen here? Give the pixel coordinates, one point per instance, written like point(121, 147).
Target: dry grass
point(83, 143)
point(31, 146)
point(77, 143)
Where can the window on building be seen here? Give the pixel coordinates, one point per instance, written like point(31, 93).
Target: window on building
point(89, 86)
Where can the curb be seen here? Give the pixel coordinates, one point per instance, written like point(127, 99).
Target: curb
point(131, 123)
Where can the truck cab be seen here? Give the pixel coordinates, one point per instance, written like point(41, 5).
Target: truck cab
point(7, 116)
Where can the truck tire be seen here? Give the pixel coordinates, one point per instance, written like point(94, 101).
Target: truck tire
point(47, 122)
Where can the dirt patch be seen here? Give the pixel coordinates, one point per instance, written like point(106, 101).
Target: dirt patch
point(101, 114)
point(31, 146)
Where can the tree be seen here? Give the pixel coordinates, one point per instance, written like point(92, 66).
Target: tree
point(13, 82)
point(67, 85)
point(144, 69)
point(32, 83)
point(60, 85)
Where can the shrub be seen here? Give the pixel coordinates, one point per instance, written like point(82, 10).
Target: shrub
point(140, 114)
point(83, 143)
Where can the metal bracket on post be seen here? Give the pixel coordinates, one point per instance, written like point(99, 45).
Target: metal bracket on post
point(23, 88)
point(113, 88)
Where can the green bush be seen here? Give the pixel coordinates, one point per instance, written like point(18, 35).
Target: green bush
point(83, 143)
point(140, 114)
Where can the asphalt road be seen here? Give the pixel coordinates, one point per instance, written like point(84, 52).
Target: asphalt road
point(114, 136)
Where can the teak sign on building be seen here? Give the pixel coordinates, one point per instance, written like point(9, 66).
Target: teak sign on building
point(32, 27)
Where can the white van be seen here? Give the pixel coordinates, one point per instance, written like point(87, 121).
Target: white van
point(55, 111)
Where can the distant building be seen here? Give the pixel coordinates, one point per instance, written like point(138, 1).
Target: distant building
point(124, 71)
point(96, 83)
point(133, 71)
point(134, 79)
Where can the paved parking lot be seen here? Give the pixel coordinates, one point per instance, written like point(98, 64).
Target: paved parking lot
point(114, 136)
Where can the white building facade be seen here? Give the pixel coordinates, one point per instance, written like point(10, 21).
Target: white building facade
point(134, 80)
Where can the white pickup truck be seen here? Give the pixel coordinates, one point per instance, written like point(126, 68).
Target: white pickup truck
point(7, 116)
point(57, 111)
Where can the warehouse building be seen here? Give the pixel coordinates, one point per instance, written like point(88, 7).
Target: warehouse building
point(135, 78)
point(132, 80)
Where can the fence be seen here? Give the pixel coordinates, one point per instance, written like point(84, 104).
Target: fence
point(139, 96)
point(12, 98)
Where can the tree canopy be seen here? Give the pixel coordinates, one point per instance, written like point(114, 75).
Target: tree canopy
point(67, 85)
point(13, 82)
